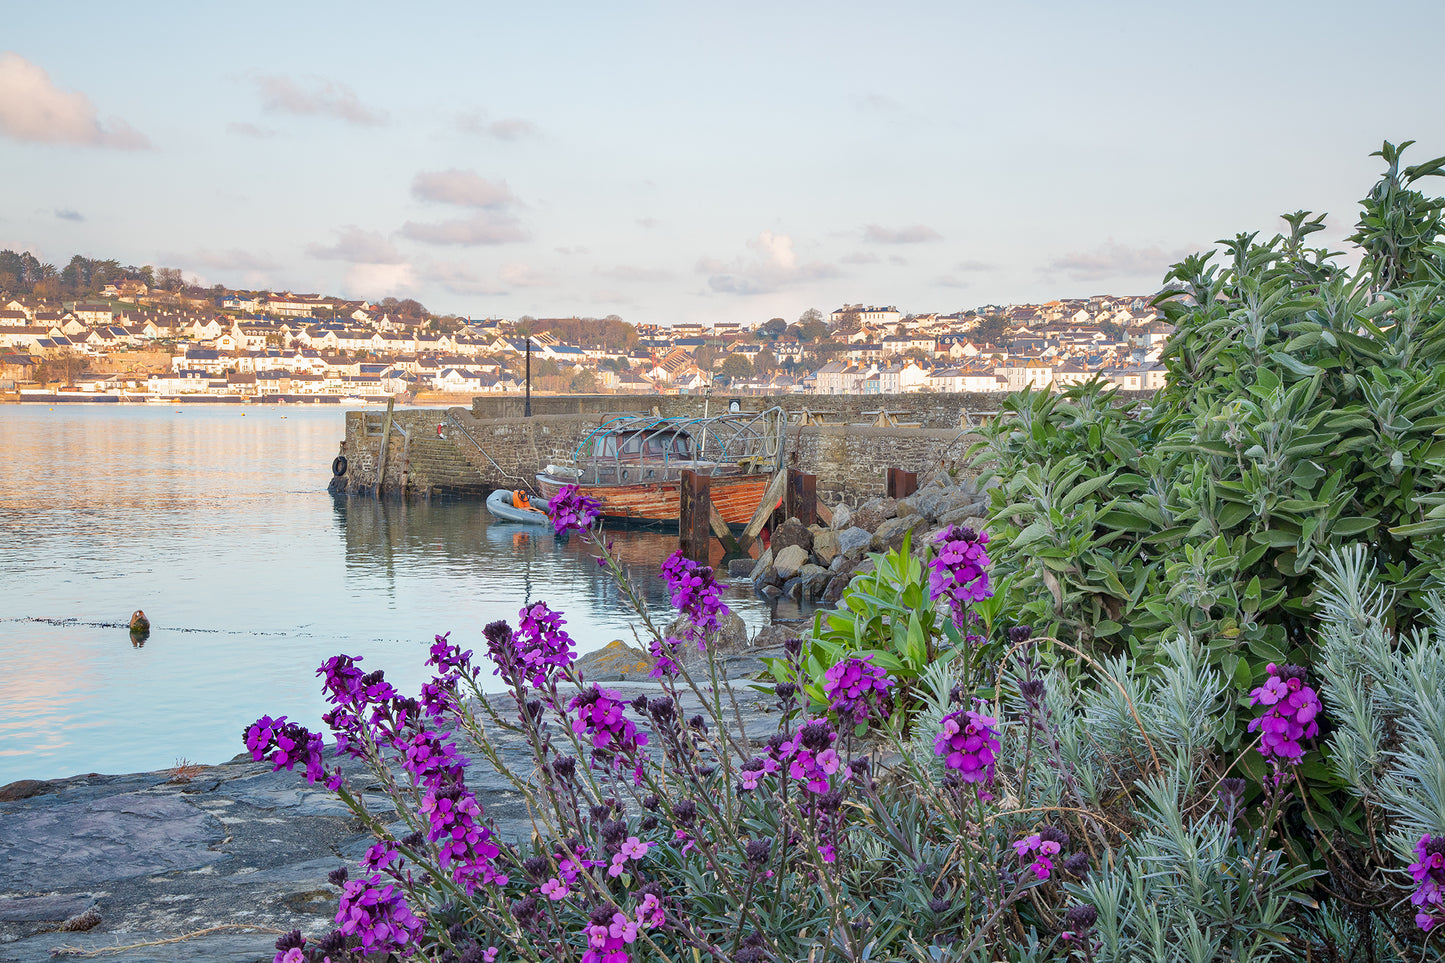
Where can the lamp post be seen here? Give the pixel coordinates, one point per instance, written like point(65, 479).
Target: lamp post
point(527, 408)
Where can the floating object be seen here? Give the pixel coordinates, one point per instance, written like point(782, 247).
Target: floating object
point(633, 465)
point(499, 503)
point(139, 622)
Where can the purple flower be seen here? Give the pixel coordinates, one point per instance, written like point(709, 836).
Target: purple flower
point(285, 744)
point(571, 510)
point(956, 571)
point(968, 741)
point(464, 843)
point(1428, 871)
point(1290, 714)
point(811, 756)
point(379, 916)
point(694, 593)
point(1042, 848)
point(615, 739)
point(538, 649)
point(858, 690)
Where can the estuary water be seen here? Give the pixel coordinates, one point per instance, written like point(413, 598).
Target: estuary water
point(215, 521)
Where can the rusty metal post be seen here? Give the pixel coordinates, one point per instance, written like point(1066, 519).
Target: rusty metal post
point(694, 518)
point(901, 483)
point(802, 496)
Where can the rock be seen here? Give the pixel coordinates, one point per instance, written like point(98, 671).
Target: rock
point(139, 622)
point(825, 547)
point(875, 512)
point(615, 662)
point(793, 589)
point(835, 588)
point(81, 922)
point(791, 532)
point(815, 579)
point(732, 633)
point(774, 636)
point(905, 506)
point(764, 562)
point(787, 562)
point(771, 592)
point(839, 563)
point(24, 789)
point(842, 516)
point(740, 567)
point(968, 514)
point(853, 542)
point(890, 534)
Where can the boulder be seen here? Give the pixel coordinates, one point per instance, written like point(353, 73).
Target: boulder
point(815, 579)
point(732, 635)
point(793, 589)
point(763, 563)
point(791, 532)
point(771, 592)
point(905, 506)
point(875, 512)
point(969, 513)
point(853, 542)
point(890, 534)
point(774, 636)
point(741, 567)
point(615, 662)
point(787, 562)
point(825, 547)
point(842, 516)
point(835, 588)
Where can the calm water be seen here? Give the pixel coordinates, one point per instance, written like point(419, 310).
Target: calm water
point(218, 525)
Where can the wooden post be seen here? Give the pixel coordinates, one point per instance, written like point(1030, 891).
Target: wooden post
point(385, 444)
point(694, 522)
point(764, 511)
point(901, 483)
point(721, 530)
point(802, 496)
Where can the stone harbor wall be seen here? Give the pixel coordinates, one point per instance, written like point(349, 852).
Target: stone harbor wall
point(449, 451)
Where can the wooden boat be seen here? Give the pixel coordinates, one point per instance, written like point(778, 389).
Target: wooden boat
point(633, 465)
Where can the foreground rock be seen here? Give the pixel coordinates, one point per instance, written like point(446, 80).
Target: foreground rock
point(213, 869)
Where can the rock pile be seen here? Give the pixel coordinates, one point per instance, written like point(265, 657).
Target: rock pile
point(816, 563)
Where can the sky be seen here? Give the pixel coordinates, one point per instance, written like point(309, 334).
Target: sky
point(675, 162)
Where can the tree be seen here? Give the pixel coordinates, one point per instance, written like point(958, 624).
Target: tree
point(989, 330)
point(583, 382)
point(771, 329)
point(705, 357)
point(765, 363)
point(851, 322)
point(735, 367)
point(169, 279)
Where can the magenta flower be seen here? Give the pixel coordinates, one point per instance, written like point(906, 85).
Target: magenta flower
point(615, 739)
point(956, 571)
point(1429, 873)
point(285, 744)
point(572, 511)
point(464, 842)
point(1043, 848)
point(858, 690)
point(968, 741)
point(540, 644)
point(1291, 708)
point(379, 916)
point(695, 593)
point(554, 889)
point(811, 756)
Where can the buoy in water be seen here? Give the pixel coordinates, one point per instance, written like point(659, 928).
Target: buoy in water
point(139, 622)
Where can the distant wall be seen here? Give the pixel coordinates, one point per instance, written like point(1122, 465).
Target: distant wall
point(849, 460)
point(927, 409)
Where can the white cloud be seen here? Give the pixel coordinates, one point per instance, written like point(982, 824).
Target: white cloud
point(1114, 260)
point(462, 188)
point(232, 259)
point(506, 129)
point(859, 257)
point(357, 246)
point(380, 280)
point(912, 234)
point(33, 109)
point(630, 272)
point(321, 98)
point(522, 276)
point(459, 279)
point(250, 130)
point(69, 214)
point(774, 266)
point(485, 227)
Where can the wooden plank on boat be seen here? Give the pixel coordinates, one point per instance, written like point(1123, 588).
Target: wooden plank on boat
point(770, 500)
point(721, 530)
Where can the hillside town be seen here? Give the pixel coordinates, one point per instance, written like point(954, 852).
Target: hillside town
point(132, 341)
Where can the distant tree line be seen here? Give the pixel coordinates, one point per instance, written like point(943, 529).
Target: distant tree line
point(23, 273)
point(608, 334)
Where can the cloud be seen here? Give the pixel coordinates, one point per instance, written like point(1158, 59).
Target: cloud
point(357, 246)
point(233, 259)
point(970, 267)
point(878, 103)
point(250, 130)
point(462, 188)
point(458, 278)
point(775, 266)
point(380, 280)
point(486, 227)
point(324, 98)
point(522, 276)
point(507, 129)
point(573, 250)
point(949, 281)
point(859, 257)
point(66, 214)
point(647, 223)
point(1114, 260)
point(629, 272)
point(34, 109)
point(912, 234)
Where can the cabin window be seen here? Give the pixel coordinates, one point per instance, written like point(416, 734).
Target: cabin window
point(606, 446)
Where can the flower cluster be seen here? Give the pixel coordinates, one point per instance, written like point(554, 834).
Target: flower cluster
point(1429, 872)
point(464, 843)
point(286, 744)
point(540, 644)
point(968, 742)
point(956, 571)
point(858, 690)
point(378, 914)
point(1042, 845)
point(695, 593)
point(614, 737)
point(572, 511)
point(812, 758)
point(1290, 713)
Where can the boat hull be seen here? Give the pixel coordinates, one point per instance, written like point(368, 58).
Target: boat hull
point(736, 498)
point(499, 503)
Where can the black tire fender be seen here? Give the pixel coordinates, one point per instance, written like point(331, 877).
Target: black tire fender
point(338, 467)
